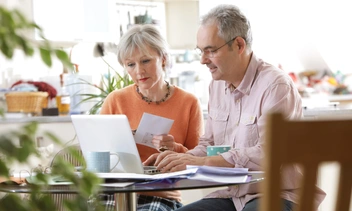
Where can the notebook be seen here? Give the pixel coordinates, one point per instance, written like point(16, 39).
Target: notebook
point(110, 133)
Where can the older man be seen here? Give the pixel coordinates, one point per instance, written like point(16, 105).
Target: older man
point(243, 90)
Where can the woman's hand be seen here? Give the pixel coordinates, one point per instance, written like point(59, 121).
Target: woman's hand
point(164, 142)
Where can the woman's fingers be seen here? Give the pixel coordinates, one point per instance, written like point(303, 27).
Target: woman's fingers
point(163, 142)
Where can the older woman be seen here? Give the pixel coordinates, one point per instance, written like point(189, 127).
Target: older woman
point(143, 53)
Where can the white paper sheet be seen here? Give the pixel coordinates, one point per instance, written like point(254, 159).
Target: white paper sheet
point(219, 170)
point(212, 174)
point(117, 184)
point(220, 178)
point(151, 125)
point(133, 176)
point(219, 174)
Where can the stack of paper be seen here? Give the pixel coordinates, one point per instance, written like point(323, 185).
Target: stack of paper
point(204, 173)
point(143, 177)
point(220, 174)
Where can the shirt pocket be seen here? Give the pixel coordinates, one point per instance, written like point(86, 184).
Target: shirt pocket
point(219, 125)
point(247, 134)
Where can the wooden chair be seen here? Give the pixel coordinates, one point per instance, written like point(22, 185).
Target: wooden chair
point(66, 154)
point(107, 200)
point(308, 143)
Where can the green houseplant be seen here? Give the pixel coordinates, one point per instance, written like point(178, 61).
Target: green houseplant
point(111, 81)
point(13, 26)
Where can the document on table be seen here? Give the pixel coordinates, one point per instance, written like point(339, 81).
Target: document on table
point(117, 184)
point(219, 170)
point(220, 174)
point(151, 125)
point(142, 177)
point(61, 181)
point(205, 173)
point(220, 178)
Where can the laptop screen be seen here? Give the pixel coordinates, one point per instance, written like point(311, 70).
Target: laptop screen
point(109, 133)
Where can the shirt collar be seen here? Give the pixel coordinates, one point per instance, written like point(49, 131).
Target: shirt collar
point(248, 79)
point(230, 87)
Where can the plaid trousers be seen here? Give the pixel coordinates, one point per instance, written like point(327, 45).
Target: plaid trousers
point(144, 203)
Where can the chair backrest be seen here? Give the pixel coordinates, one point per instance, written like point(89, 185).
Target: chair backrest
point(70, 154)
point(73, 155)
point(307, 143)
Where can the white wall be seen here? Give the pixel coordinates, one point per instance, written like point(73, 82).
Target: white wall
point(299, 34)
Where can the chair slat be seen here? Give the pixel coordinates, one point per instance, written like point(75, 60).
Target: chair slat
point(344, 187)
point(308, 187)
point(307, 143)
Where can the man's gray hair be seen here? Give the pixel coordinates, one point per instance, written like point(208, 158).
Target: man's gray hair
point(231, 22)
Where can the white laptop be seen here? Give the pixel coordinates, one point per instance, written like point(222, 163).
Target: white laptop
point(110, 133)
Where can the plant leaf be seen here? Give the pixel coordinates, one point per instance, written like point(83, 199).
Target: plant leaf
point(63, 57)
point(46, 56)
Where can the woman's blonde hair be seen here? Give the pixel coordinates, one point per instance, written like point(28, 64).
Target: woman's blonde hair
point(143, 37)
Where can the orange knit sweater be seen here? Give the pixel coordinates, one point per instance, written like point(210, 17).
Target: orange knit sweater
point(182, 107)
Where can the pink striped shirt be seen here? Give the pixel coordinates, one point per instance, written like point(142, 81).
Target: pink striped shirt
point(237, 118)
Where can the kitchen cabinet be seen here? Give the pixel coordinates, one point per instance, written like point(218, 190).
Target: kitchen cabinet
point(72, 21)
point(77, 20)
point(139, 12)
point(182, 18)
point(91, 20)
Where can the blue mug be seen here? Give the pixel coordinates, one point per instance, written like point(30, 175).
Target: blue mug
point(99, 161)
point(217, 150)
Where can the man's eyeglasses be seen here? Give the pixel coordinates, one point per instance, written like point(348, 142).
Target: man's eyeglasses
point(211, 53)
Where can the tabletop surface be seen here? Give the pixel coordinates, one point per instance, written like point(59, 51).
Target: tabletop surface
point(180, 184)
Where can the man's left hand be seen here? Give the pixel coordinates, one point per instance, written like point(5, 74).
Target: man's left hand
point(171, 162)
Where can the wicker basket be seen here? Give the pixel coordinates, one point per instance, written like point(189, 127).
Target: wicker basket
point(26, 102)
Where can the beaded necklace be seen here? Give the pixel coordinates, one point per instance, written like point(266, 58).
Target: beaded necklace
point(146, 99)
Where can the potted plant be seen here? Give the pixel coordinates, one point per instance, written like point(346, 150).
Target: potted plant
point(111, 81)
point(12, 26)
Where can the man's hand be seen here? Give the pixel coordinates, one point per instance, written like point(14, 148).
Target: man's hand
point(171, 161)
point(155, 158)
point(151, 160)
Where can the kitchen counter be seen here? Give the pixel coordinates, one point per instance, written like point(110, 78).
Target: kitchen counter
point(59, 127)
point(328, 106)
point(342, 99)
point(334, 111)
point(23, 118)
point(328, 111)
